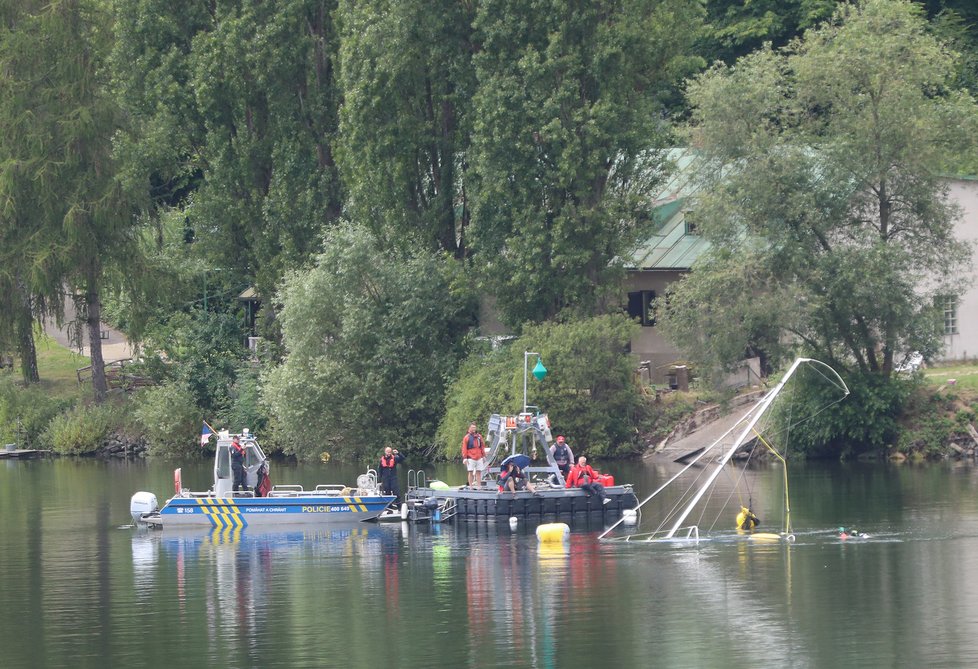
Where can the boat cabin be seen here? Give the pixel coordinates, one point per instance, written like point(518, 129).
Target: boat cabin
point(254, 458)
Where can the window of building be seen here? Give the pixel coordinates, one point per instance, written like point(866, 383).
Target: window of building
point(690, 220)
point(949, 305)
point(641, 306)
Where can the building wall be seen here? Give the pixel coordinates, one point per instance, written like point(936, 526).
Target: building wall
point(649, 345)
point(964, 344)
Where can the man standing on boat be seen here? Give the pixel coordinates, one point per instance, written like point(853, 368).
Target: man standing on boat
point(237, 464)
point(585, 478)
point(474, 456)
point(388, 472)
point(563, 456)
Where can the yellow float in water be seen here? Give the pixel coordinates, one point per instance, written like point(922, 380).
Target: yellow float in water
point(765, 536)
point(552, 532)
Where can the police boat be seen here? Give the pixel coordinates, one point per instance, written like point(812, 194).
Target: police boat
point(261, 503)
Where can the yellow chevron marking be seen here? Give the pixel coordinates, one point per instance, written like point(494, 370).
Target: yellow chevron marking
point(223, 513)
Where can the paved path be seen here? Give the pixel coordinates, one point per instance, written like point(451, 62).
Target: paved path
point(705, 432)
point(115, 346)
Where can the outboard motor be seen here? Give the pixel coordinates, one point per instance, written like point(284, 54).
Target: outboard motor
point(432, 504)
point(142, 503)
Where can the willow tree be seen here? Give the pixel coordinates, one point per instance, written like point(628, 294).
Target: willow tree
point(569, 103)
point(823, 195)
point(67, 225)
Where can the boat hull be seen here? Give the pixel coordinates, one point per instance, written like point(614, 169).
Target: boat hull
point(236, 512)
point(566, 502)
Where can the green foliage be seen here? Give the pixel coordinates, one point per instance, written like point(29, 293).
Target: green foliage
point(25, 413)
point(590, 393)
point(866, 421)
point(245, 407)
point(737, 27)
point(373, 338)
point(963, 417)
point(237, 114)
point(569, 104)
point(668, 412)
point(66, 225)
point(83, 429)
point(821, 190)
point(204, 353)
point(171, 420)
point(933, 419)
point(408, 82)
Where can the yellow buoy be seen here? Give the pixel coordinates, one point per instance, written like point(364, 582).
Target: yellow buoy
point(552, 532)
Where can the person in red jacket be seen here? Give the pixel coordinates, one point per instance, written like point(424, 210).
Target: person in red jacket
point(583, 477)
point(474, 456)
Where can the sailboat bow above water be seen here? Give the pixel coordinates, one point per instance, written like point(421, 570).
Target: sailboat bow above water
point(752, 432)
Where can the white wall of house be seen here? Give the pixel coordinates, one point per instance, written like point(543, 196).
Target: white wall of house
point(964, 343)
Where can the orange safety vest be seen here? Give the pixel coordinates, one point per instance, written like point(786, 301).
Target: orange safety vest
point(473, 447)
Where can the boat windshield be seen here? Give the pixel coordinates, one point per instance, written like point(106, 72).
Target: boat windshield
point(223, 461)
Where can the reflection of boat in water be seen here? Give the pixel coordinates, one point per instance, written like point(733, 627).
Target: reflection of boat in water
point(525, 434)
point(222, 507)
point(714, 458)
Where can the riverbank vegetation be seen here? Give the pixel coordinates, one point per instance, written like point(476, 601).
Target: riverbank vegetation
point(356, 189)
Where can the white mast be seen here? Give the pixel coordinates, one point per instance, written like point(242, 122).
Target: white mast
point(762, 407)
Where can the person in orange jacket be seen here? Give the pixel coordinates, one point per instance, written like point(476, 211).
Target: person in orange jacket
point(583, 477)
point(474, 456)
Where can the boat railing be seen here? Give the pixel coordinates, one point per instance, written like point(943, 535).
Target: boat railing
point(285, 489)
point(690, 533)
point(295, 490)
point(231, 494)
point(330, 489)
point(416, 479)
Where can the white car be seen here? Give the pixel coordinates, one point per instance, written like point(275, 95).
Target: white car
point(911, 363)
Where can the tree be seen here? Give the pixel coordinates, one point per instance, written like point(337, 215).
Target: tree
point(569, 102)
point(823, 197)
point(373, 338)
point(589, 393)
point(237, 109)
point(737, 27)
point(67, 221)
point(407, 82)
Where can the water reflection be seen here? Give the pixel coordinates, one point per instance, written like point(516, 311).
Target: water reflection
point(80, 592)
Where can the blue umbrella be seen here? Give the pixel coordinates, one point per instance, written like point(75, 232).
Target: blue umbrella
point(520, 460)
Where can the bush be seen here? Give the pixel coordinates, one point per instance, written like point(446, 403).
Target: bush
point(171, 420)
point(590, 393)
point(81, 430)
point(25, 413)
point(667, 414)
point(246, 410)
point(863, 422)
point(373, 339)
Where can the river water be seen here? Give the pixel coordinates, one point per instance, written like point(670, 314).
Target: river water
point(78, 589)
